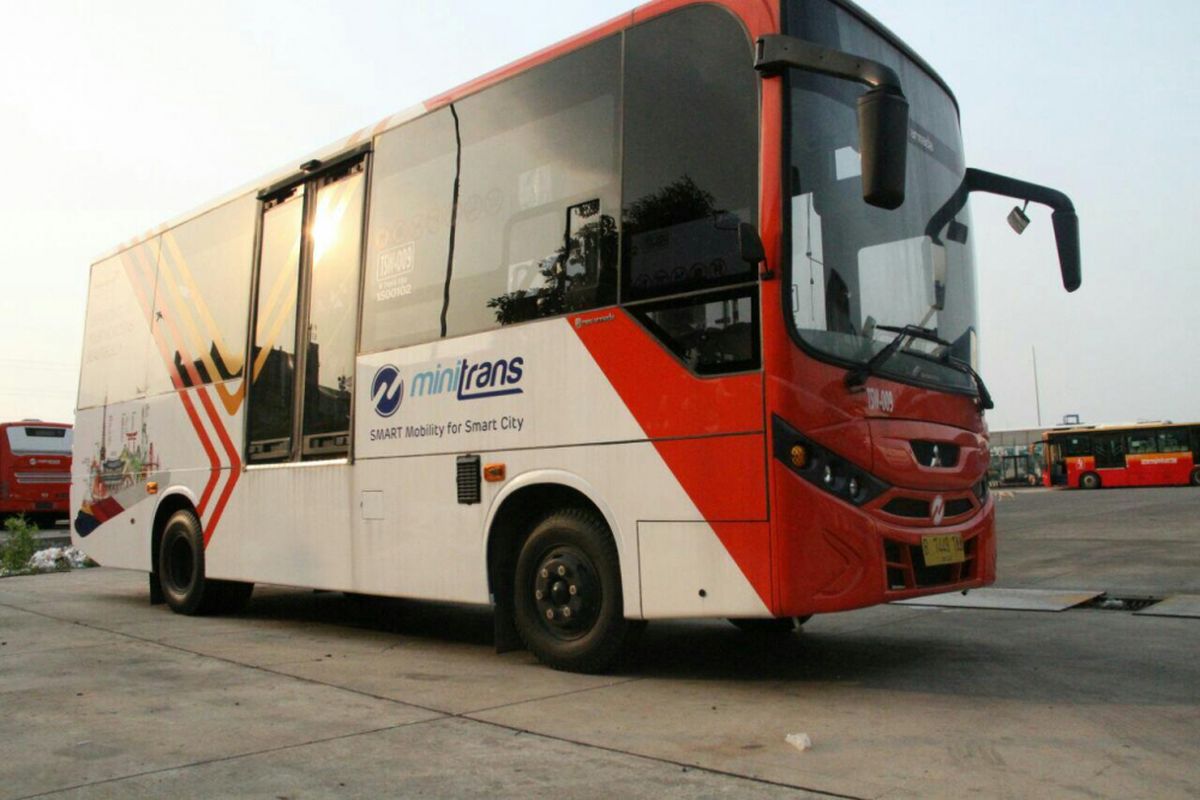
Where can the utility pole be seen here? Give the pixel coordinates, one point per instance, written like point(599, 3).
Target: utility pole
point(1036, 394)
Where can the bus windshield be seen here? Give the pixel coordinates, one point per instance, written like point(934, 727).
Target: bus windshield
point(857, 270)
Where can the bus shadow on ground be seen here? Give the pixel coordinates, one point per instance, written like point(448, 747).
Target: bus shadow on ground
point(930, 653)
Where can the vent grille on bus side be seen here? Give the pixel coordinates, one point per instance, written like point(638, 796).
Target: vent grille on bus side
point(469, 480)
point(43, 477)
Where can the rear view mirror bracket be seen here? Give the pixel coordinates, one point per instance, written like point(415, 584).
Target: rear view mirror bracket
point(1066, 223)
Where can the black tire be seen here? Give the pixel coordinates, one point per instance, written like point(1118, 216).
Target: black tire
point(181, 572)
point(1089, 480)
point(567, 601)
point(1196, 476)
point(769, 626)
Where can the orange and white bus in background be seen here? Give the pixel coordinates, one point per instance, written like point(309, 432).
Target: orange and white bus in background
point(676, 318)
point(35, 469)
point(1145, 454)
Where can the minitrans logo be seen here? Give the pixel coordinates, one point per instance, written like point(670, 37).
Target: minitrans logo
point(387, 390)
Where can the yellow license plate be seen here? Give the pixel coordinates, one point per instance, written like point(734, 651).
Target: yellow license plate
point(943, 549)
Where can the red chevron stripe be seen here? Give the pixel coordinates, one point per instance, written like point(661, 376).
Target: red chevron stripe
point(176, 379)
point(235, 465)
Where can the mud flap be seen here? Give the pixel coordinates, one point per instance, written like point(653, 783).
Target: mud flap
point(504, 631)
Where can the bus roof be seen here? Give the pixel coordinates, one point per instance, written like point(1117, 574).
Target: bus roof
point(760, 14)
point(1120, 426)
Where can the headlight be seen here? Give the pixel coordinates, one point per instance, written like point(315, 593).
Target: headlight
point(822, 467)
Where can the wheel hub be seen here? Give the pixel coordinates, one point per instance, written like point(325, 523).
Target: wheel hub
point(566, 592)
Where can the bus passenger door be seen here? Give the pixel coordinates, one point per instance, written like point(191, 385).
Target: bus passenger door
point(305, 320)
point(1109, 449)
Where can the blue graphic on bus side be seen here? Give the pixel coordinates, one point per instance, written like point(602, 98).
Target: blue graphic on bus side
point(387, 390)
point(471, 381)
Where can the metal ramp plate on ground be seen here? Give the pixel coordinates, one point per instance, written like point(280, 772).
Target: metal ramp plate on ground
point(1005, 599)
point(1179, 605)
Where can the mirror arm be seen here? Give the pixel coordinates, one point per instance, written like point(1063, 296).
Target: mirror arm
point(977, 180)
point(1066, 224)
point(776, 52)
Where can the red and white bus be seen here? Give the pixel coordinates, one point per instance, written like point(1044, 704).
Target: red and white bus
point(35, 469)
point(676, 318)
point(1145, 454)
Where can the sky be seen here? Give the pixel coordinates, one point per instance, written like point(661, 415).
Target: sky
point(118, 116)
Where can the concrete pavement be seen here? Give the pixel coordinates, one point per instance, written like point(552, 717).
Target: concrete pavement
point(313, 694)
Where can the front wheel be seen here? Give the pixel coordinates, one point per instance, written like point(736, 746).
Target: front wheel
point(1196, 476)
point(1089, 480)
point(567, 603)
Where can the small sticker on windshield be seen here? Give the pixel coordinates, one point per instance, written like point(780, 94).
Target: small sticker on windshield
point(846, 163)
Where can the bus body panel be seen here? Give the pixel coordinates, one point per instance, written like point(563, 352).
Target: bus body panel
point(306, 524)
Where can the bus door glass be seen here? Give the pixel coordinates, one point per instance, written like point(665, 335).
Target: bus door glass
point(336, 243)
point(306, 315)
point(1109, 449)
point(274, 356)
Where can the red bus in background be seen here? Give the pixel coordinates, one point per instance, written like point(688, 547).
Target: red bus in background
point(1146, 454)
point(35, 469)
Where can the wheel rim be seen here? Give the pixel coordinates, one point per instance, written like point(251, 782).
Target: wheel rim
point(180, 564)
point(567, 592)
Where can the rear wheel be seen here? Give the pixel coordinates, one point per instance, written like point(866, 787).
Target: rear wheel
point(1089, 480)
point(1196, 476)
point(567, 603)
point(181, 572)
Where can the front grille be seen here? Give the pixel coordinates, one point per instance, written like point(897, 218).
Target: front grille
point(43, 477)
point(914, 508)
point(960, 506)
point(935, 454)
point(908, 507)
point(906, 568)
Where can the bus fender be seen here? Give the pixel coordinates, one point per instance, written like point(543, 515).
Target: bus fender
point(560, 477)
point(506, 637)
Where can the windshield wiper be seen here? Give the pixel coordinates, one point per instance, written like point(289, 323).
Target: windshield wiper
point(985, 397)
point(855, 378)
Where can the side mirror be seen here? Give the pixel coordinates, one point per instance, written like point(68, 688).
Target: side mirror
point(750, 244)
point(1066, 236)
point(882, 110)
point(883, 142)
point(1066, 223)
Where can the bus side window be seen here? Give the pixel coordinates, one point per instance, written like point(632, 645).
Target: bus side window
point(1142, 442)
point(535, 228)
point(1173, 440)
point(719, 334)
point(412, 197)
point(691, 153)
point(204, 293)
point(690, 177)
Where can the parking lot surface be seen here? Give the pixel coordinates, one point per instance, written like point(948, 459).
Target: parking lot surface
point(315, 694)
